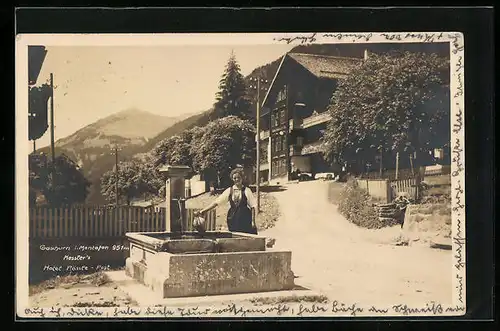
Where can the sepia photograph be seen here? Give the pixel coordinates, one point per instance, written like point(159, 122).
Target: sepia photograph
point(240, 175)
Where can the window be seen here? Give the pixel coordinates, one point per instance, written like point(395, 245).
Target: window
point(281, 94)
point(282, 116)
point(276, 118)
point(300, 141)
point(283, 143)
point(275, 169)
point(282, 166)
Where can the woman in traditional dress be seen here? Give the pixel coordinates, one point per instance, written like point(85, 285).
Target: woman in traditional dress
point(241, 214)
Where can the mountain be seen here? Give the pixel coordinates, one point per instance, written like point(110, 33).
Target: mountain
point(119, 128)
point(91, 147)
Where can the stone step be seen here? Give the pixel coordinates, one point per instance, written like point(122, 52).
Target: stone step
point(387, 219)
point(388, 210)
point(388, 215)
point(386, 205)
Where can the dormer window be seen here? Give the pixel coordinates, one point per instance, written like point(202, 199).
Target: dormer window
point(281, 94)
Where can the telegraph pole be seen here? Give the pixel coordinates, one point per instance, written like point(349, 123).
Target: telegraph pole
point(115, 151)
point(381, 166)
point(397, 165)
point(257, 179)
point(52, 144)
point(257, 182)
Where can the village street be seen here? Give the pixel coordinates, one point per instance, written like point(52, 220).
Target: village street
point(353, 264)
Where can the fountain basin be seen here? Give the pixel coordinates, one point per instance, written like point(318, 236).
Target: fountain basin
point(210, 263)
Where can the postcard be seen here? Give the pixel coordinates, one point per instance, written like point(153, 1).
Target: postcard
point(245, 175)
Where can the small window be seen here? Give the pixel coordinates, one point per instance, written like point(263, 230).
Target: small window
point(281, 94)
point(276, 121)
point(300, 141)
point(282, 116)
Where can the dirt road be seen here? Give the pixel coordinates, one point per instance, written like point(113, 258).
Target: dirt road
point(353, 264)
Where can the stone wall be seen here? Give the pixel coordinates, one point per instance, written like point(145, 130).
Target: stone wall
point(429, 224)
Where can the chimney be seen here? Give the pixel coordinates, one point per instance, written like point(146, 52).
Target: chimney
point(366, 55)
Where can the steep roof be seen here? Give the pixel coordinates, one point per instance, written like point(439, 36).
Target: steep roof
point(321, 66)
point(326, 66)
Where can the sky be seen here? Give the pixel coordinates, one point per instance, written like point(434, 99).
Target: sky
point(93, 82)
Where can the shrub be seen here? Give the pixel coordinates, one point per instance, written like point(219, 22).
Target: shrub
point(357, 206)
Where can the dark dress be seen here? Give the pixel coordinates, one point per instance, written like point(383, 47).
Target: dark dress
point(239, 216)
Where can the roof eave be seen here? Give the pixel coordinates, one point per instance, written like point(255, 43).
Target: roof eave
point(274, 79)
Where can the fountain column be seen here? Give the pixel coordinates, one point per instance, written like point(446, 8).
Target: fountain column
point(175, 197)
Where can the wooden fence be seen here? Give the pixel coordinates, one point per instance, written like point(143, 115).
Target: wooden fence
point(95, 221)
point(409, 186)
point(386, 190)
point(377, 188)
point(432, 170)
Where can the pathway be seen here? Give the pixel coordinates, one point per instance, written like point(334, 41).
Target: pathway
point(353, 264)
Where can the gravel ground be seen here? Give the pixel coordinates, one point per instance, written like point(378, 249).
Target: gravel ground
point(93, 290)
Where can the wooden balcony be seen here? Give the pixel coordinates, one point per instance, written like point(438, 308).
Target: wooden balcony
point(312, 148)
point(315, 120)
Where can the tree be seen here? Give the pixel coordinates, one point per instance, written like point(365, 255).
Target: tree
point(135, 180)
point(232, 97)
point(61, 183)
point(394, 102)
point(176, 150)
point(224, 143)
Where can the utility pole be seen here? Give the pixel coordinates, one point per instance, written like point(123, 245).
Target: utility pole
point(52, 145)
point(257, 179)
point(397, 165)
point(381, 162)
point(115, 151)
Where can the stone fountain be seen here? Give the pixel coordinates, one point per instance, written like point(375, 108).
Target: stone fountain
point(179, 263)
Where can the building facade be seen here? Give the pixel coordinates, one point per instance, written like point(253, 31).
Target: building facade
point(294, 114)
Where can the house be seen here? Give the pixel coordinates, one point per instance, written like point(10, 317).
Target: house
point(294, 113)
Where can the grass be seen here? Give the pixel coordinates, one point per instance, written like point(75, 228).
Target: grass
point(335, 192)
point(267, 218)
point(357, 206)
point(95, 304)
point(290, 298)
point(97, 279)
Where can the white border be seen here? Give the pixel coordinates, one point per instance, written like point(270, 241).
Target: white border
point(455, 39)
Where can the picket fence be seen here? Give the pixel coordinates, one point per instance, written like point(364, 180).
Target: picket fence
point(409, 186)
point(94, 221)
point(387, 190)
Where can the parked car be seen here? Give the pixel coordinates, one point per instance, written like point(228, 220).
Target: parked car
point(305, 176)
point(325, 176)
